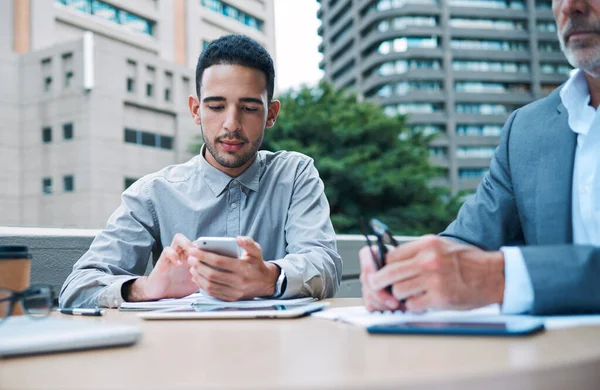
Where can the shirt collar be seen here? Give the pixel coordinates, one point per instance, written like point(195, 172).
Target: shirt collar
point(575, 96)
point(218, 181)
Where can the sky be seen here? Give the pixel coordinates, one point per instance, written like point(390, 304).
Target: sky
point(296, 43)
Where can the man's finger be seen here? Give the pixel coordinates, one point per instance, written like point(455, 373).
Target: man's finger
point(393, 273)
point(411, 249)
point(167, 258)
point(212, 275)
point(408, 288)
point(181, 244)
point(222, 263)
point(251, 247)
point(365, 256)
point(213, 289)
point(418, 303)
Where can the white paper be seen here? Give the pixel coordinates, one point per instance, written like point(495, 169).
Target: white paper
point(206, 300)
point(358, 315)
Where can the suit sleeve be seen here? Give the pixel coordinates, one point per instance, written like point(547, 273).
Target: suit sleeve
point(566, 278)
point(490, 218)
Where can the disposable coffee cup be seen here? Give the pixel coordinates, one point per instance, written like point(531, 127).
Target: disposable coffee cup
point(15, 269)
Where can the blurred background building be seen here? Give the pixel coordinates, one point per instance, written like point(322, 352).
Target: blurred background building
point(94, 96)
point(456, 67)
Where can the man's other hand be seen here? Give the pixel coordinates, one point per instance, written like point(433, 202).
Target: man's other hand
point(170, 277)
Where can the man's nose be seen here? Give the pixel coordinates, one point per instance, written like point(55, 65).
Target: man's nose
point(232, 120)
point(568, 7)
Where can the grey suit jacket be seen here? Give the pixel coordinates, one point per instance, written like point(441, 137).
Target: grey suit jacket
point(525, 201)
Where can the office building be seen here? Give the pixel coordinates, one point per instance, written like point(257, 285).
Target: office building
point(94, 96)
point(455, 67)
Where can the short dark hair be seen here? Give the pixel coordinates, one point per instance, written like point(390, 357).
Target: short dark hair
point(237, 50)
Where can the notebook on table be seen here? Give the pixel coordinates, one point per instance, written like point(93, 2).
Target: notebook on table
point(22, 335)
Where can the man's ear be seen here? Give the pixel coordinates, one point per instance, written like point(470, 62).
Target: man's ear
point(274, 107)
point(194, 105)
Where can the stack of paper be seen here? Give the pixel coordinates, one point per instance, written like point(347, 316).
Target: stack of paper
point(358, 315)
point(200, 299)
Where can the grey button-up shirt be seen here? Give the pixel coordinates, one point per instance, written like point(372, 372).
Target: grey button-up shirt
point(278, 200)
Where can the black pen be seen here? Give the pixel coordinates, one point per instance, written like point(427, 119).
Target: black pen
point(82, 312)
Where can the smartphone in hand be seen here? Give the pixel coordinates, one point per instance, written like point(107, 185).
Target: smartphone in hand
point(224, 246)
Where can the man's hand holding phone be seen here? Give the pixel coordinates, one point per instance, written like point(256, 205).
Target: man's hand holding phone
point(232, 279)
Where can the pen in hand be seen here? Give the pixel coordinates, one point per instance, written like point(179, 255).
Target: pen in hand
point(82, 312)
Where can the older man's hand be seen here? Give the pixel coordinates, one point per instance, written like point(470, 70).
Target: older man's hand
point(437, 273)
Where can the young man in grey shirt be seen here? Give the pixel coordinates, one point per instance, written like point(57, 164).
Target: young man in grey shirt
point(272, 202)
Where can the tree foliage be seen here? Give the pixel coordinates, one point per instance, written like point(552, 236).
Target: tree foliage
point(372, 165)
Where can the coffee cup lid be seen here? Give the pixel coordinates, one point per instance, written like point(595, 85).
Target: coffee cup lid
point(14, 252)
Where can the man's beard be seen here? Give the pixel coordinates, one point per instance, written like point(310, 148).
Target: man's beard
point(582, 55)
point(231, 160)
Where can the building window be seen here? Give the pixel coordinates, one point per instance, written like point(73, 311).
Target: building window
point(475, 151)
point(69, 183)
point(129, 182)
point(472, 173)
point(68, 131)
point(147, 138)
point(151, 74)
point(234, 13)
point(47, 185)
point(549, 47)
point(438, 151)
point(47, 84)
point(131, 75)
point(514, 4)
point(168, 86)
point(131, 136)
point(413, 108)
point(490, 24)
point(481, 44)
point(479, 130)
point(399, 45)
point(47, 135)
point(490, 66)
point(67, 68)
point(102, 10)
point(489, 87)
point(130, 85)
point(47, 74)
point(482, 109)
point(548, 68)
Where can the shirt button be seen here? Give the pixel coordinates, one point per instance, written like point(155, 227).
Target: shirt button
point(586, 189)
point(233, 205)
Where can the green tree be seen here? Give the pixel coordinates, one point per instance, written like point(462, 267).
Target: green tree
point(372, 165)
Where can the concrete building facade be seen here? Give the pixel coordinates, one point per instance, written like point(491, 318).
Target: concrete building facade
point(457, 68)
point(94, 96)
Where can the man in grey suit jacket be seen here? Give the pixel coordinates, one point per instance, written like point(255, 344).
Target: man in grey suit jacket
point(530, 237)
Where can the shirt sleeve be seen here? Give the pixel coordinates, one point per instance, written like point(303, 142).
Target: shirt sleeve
point(312, 266)
point(118, 254)
point(518, 289)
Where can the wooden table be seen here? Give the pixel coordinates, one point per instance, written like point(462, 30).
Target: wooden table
point(311, 353)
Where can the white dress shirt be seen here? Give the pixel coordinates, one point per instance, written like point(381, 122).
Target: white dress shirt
point(585, 121)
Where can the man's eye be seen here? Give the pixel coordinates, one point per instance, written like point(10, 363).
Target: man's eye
point(216, 108)
point(250, 109)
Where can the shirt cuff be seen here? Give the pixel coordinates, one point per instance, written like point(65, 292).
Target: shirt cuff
point(518, 289)
point(294, 283)
point(111, 295)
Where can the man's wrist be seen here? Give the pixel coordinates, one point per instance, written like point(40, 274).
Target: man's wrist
point(133, 290)
point(273, 275)
point(497, 279)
